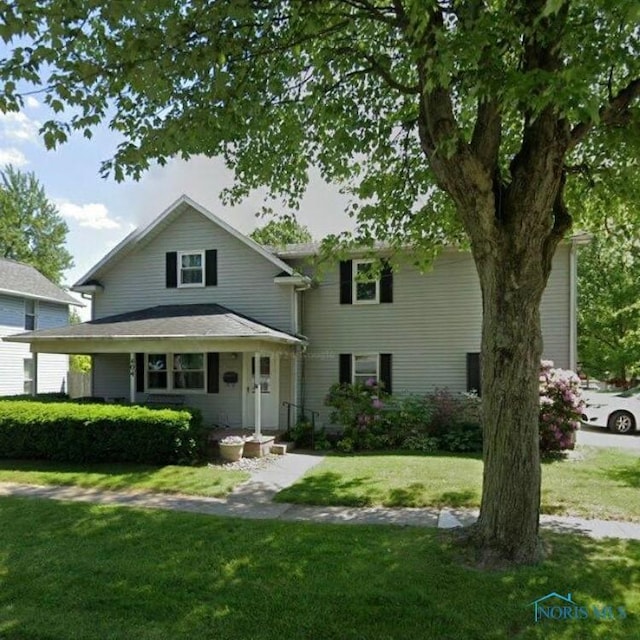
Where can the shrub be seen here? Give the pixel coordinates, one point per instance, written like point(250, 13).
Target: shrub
point(359, 409)
point(464, 438)
point(304, 436)
point(560, 408)
point(98, 433)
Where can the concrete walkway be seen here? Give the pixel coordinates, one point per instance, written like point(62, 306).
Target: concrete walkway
point(254, 500)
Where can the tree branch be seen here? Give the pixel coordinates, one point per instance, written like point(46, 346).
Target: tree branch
point(610, 114)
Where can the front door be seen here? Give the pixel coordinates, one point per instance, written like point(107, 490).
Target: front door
point(269, 389)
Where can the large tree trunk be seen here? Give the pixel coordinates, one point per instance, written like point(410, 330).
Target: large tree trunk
point(513, 276)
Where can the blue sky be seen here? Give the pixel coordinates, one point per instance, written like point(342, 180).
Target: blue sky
point(99, 212)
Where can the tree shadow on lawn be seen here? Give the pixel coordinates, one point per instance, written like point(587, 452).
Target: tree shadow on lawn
point(116, 572)
point(627, 475)
point(329, 488)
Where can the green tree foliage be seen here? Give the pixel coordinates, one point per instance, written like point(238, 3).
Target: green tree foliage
point(458, 121)
point(78, 362)
point(31, 229)
point(280, 232)
point(609, 303)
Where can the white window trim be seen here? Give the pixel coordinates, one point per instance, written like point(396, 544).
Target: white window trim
point(354, 281)
point(28, 380)
point(364, 355)
point(170, 389)
point(191, 285)
point(36, 313)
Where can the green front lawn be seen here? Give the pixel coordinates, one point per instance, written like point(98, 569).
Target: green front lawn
point(70, 570)
point(202, 480)
point(602, 485)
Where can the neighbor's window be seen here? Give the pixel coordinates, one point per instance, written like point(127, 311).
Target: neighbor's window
point(157, 371)
point(365, 368)
point(27, 365)
point(30, 312)
point(188, 371)
point(191, 269)
point(365, 284)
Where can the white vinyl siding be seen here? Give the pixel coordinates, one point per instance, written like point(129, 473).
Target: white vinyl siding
point(52, 368)
point(245, 278)
point(435, 320)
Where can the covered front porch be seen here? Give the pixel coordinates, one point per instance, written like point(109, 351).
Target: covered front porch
point(236, 371)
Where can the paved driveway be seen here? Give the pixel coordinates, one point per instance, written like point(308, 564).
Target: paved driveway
point(596, 437)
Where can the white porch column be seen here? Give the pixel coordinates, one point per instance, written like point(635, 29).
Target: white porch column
point(257, 398)
point(34, 375)
point(132, 377)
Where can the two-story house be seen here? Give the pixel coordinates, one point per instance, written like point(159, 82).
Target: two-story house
point(29, 301)
point(188, 306)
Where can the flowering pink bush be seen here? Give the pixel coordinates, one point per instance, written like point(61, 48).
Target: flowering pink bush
point(560, 408)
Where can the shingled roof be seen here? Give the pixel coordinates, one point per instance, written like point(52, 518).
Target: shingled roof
point(166, 321)
point(17, 278)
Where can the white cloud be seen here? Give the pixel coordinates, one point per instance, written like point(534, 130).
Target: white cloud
point(18, 126)
point(93, 215)
point(11, 155)
point(32, 102)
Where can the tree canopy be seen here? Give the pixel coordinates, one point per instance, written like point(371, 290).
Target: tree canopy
point(31, 229)
point(609, 295)
point(479, 121)
point(277, 233)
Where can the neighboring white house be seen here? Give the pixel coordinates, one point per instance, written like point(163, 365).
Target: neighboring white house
point(189, 307)
point(29, 301)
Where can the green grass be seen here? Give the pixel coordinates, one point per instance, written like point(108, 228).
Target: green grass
point(201, 480)
point(71, 571)
point(604, 484)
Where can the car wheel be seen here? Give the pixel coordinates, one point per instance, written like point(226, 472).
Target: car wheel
point(621, 422)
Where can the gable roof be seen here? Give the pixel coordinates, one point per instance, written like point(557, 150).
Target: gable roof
point(20, 279)
point(141, 234)
point(166, 321)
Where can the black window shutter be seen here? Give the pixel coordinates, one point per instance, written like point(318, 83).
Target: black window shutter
point(140, 372)
point(385, 371)
point(213, 373)
point(386, 283)
point(473, 372)
point(345, 368)
point(172, 269)
point(211, 268)
point(346, 281)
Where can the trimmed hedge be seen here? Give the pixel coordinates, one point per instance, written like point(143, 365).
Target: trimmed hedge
point(70, 432)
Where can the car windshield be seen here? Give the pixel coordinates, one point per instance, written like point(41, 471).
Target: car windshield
point(634, 391)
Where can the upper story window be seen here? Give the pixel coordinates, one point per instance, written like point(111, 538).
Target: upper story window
point(191, 269)
point(30, 314)
point(366, 286)
point(361, 282)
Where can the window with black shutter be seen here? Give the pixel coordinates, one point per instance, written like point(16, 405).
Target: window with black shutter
point(473, 372)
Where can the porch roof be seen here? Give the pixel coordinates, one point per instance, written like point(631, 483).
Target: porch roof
point(189, 322)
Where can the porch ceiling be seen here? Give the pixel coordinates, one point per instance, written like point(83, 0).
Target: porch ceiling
point(209, 327)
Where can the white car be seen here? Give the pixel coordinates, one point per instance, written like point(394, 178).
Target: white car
point(618, 412)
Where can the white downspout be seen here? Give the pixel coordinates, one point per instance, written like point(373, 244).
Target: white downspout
point(573, 300)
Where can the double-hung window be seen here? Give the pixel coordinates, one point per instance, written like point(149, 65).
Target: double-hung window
point(191, 269)
point(188, 371)
point(366, 286)
point(27, 364)
point(366, 369)
point(176, 371)
point(30, 314)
